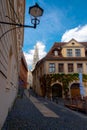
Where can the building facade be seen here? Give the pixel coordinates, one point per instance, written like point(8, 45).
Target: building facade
point(23, 74)
point(57, 74)
point(11, 42)
point(30, 79)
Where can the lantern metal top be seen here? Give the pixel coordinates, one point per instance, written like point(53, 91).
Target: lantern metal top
point(36, 11)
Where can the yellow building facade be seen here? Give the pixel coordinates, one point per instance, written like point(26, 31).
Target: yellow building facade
point(57, 74)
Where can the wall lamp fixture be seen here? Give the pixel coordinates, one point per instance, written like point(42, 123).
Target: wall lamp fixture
point(35, 12)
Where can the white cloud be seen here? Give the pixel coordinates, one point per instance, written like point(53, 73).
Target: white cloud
point(79, 33)
point(30, 53)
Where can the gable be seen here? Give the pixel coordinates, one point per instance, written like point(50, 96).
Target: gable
point(73, 43)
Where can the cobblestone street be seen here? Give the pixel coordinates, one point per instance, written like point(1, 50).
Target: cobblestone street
point(36, 113)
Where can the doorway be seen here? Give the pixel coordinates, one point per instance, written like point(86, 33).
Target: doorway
point(56, 91)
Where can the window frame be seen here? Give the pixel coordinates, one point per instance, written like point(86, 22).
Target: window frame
point(79, 67)
point(78, 52)
point(69, 53)
point(61, 67)
point(52, 67)
point(55, 53)
point(70, 67)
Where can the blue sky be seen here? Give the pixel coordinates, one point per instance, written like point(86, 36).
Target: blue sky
point(62, 20)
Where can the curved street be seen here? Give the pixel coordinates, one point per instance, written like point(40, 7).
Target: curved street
point(36, 113)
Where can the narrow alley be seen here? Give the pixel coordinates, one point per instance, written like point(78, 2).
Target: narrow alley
point(36, 113)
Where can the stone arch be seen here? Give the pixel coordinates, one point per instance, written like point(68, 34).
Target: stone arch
point(75, 90)
point(56, 90)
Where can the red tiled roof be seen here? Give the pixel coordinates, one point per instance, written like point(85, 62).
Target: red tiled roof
point(58, 45)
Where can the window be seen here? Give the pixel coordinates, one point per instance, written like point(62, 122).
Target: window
point(79, 67)
point(61, 67)
point(56, 53)
point(69, 52)
point(51, 67)
point(70, 67)
point(73, 43)
point(77, 52)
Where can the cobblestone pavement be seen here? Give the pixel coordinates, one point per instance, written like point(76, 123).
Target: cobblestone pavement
point(29, 113)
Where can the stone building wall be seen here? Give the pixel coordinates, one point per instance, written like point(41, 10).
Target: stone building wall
point(11, 42)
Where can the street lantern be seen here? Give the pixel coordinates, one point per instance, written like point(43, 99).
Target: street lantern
point(35, 12)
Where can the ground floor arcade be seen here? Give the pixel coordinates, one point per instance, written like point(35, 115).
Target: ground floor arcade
point(56, 90)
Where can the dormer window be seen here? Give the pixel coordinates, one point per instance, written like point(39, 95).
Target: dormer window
point(69, 52)
point(56, 53)
point(77, 52)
